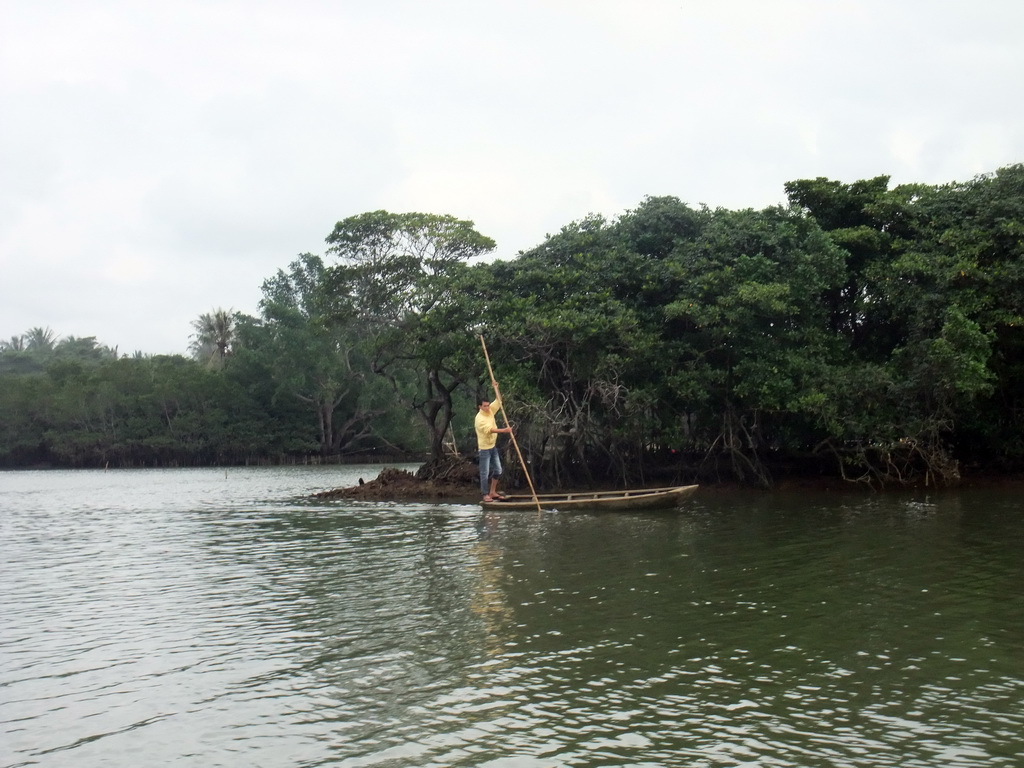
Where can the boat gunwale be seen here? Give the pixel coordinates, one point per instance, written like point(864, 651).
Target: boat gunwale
point(597, 499)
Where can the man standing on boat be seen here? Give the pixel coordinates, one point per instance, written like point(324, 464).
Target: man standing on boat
point(487, 431)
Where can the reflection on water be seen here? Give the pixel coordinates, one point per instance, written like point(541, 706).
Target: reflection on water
point(488, 600)
point(224, 619)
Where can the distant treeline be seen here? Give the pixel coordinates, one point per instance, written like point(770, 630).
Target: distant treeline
point(862, 331)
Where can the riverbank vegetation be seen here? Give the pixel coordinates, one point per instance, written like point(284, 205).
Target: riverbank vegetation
point(863, 331)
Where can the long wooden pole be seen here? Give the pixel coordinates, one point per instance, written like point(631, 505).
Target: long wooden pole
point(494, 383)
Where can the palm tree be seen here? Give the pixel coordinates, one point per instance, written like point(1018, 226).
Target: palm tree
point(214, 335)
point(85, 349)
point(15, 344)
point(40, 339)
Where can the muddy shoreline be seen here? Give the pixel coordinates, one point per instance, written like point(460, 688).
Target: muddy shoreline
point(456, 480)
point(450, 480)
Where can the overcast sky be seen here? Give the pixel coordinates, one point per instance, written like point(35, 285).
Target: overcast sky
point(161, 160)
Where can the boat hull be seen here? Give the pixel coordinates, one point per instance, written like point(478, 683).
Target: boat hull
point(611, 501)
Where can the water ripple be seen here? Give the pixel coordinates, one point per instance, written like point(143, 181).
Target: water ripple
point(195, 618)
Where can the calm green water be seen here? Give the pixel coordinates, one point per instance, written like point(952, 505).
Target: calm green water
point(204, 618)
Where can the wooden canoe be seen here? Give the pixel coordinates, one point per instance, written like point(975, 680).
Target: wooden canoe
point(612, 501)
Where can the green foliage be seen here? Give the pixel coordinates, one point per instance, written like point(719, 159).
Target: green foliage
point(395, 264)
point(161, 411)
point(922, 310)
point(404, 272)
point(214, 337)
point(864, 331)
point(307, 342)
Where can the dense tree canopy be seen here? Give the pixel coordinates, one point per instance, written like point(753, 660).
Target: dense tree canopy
point(863, 331)
point(308, 345)
point(403, 274)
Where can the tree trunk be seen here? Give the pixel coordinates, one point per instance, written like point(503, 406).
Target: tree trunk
point(436, 411)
